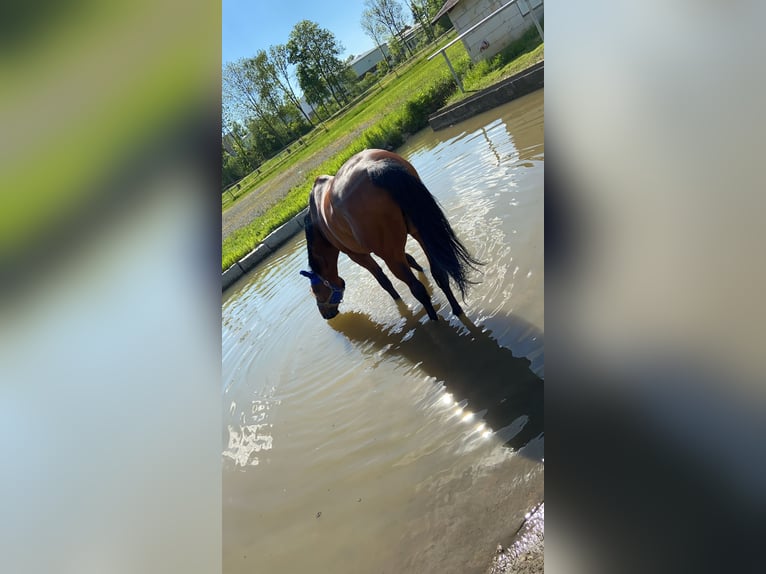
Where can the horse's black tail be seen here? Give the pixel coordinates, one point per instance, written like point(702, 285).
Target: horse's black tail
point(442, 246)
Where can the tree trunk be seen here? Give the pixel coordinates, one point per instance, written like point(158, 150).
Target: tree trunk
point(297, 104)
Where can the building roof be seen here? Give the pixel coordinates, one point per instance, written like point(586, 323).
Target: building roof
point(367, 53)
point(448, 5)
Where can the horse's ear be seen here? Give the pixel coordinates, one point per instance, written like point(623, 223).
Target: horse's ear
point(312, 276)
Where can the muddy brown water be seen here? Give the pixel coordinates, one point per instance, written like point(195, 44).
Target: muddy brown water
point(380, 441)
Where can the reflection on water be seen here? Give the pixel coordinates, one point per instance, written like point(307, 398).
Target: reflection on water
point(481, 380)
point(381, 441)
point(251, 435)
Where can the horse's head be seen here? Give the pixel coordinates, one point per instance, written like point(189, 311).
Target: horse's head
point(323, 264)
point(328, 296)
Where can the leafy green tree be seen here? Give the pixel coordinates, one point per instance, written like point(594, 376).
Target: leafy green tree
point(244, 159)
point(238, 135)
point(314, 88)
point(280, 60)
point(397, 50)
point(262, 140)
point(262, 75)
point(232, 170)
point(422, 12)
point(241, 92)
point(314, 51)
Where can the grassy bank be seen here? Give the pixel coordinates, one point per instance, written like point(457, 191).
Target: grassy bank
point(397, 108)
point(526, 51)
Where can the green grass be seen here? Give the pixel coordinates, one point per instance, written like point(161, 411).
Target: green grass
point(526, 51)
point(476, 82)
point(401, 106)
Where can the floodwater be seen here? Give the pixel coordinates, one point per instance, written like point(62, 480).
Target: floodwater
point(381, 442)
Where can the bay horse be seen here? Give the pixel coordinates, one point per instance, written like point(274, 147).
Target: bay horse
point(374, 200)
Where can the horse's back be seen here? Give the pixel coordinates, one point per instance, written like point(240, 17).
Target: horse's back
point(352, 173)
point(369, 211)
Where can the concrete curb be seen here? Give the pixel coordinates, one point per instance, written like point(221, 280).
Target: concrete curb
point(253, 258)
point(263, 250)
point(231, 275)
point(521, 84)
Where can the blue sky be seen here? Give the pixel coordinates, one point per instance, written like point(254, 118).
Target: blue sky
point(252, 25)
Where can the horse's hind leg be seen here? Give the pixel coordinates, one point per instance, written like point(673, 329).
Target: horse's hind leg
point(413, 263)
point(369, 263)
point(402, 271)
point(442, 280)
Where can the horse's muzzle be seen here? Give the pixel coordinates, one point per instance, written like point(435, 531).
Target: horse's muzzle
point(328, 312)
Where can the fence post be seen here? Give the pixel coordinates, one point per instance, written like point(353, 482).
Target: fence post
point(535, 20)
point(451, 69)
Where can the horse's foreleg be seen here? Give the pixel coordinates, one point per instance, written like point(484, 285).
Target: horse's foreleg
point(369, 263)
point(402, 271)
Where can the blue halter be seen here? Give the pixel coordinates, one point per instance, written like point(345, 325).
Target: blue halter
point(336, 293)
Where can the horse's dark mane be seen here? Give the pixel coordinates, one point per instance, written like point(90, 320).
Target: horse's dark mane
point(308, 224)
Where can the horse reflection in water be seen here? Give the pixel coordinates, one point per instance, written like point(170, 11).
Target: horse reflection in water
point(496, 385)
point(370, 206)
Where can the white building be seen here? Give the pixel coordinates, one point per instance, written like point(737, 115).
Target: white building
point(495, 34)
point(368, 61)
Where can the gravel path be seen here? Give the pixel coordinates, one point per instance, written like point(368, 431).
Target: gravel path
point(525, 555)
point(255, 203)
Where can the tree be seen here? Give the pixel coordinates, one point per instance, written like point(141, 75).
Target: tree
point(374, 30)
point(397, 50)
point(315, 52)
point(263, 142)
point(245, 158)
point(238, 134)
point(263, 76)
point(280, 59)
point(241, 92)
point(314, 89)
point(232, 131)
point(231, 170)
point(422, 13)
point(390, 15)
point(428, 8)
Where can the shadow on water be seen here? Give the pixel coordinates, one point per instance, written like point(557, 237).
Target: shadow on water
point(482, 376)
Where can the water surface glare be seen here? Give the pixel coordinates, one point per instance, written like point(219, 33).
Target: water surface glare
point(380, 441)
